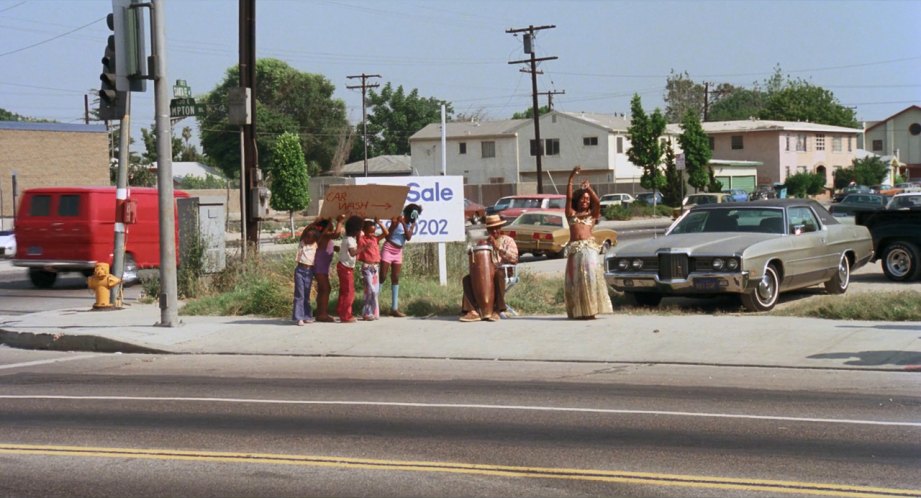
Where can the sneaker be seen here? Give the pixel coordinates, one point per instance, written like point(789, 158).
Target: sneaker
point(470, 316)
point(397, 313)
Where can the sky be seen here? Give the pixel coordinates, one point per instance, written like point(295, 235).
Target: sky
point(866, 52)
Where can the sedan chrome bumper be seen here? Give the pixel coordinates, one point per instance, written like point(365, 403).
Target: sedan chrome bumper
point(695, 283)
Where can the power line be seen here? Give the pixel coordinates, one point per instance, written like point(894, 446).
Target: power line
point(364, 107)
point(52, 38)
point(14, 6)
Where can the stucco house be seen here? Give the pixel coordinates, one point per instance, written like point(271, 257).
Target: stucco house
point(899, 136)
point(784, 148)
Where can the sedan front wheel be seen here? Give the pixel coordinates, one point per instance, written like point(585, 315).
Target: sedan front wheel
point(838, 283)
point(764, 296)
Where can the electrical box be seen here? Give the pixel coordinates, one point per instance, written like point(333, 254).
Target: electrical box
point(238, 106)
point(130, 215)
point(259, 203)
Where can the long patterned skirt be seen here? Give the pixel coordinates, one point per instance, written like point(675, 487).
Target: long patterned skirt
point(586, 292)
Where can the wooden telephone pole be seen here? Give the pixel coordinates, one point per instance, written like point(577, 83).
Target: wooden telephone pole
point(364, 107)
point(529, 49)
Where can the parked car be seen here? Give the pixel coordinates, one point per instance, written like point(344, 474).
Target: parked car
point(756, 250)
point(856, 202)
point(905, 201)
point(854, 189)
point(647, 198)
point(512, 206)
point(705, 198)
point(7, 244)
point(737, 195)
point(474, 212)
point(896, 240)
point(615, 200)
point(547, 233)
point(63, 229)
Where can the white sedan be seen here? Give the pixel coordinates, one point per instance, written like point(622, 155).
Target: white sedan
point(615, 199)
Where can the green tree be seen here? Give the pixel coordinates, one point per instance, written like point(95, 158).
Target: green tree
point(682, 94)
point(673, 190)
point(802, 101)
point(290, 180)
point(6, 115)
point(395, 115)
point(803, 184)
point(737, 104)
point(697, 154)
point(149, 136)
point(646, 149)
point(287, 100)
point(529, 112)
point(870, 170)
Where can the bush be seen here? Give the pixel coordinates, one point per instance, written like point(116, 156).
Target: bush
point(635, 210)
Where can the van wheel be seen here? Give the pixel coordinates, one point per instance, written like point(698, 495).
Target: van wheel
point(901, 261)
point(42, 279)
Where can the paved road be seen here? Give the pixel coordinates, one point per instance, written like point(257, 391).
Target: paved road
point(125, 425)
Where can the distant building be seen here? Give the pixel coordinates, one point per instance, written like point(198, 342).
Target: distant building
point(898, 136)
point(380, 166)
point(783, 148)
point(50, 154)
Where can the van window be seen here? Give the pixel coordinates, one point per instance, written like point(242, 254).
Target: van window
point(41, 205)
point(69, 205)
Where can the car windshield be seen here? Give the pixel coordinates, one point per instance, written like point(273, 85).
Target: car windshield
point(539, 219)
point(503, 203)
point(757, 220)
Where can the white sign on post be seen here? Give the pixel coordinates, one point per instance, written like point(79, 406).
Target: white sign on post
point(442, 201)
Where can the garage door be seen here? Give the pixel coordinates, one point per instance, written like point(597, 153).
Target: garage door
point(746, 183)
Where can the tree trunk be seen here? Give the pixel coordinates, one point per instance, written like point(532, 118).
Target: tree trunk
point(291, 222)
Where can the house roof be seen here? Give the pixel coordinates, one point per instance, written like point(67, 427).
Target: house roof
point(379, 166)
point(877, 123)
point(610, 122)
point(461, 129)
point(58, 127)
point(181, 169)
point(750, 125)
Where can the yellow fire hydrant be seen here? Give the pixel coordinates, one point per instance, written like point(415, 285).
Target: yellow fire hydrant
point(101, 282)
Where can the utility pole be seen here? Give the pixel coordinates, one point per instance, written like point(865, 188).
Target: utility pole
point(364, 107)
point(250, 173)
point(706, 101)
point(529, 49)
point(550, 95)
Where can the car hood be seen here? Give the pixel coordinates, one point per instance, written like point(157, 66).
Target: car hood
point(701, 244)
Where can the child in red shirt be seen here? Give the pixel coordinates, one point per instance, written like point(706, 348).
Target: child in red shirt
point(369, 256)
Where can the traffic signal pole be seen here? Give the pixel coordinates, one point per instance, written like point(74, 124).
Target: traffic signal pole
point(121, 195)
point(169, 301)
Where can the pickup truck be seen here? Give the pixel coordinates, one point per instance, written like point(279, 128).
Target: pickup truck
point(896, 241)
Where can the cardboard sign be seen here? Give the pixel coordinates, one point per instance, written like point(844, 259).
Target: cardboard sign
point(367, 201)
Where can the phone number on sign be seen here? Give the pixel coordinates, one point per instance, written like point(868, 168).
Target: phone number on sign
point(438, 226)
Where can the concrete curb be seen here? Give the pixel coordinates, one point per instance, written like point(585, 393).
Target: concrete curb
point(64, 342)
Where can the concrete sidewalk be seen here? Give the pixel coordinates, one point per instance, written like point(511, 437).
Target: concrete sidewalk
point(737, 340)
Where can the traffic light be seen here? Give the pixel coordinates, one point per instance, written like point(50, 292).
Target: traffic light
point(111, 101)
point(128, 25)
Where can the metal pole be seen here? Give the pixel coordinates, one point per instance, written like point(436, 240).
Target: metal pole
point(442, 249)
point(14, 198)
point(364, 121)
point(121, 195)
point(169, 301)
point(242, 195)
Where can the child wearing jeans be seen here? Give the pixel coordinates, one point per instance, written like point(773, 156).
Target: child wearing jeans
point(303, 276)
point(369, 255)
point(348, 249)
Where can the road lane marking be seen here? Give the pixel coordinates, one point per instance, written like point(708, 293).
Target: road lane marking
point(610, 476)
point(46, 362)
point(397, 404)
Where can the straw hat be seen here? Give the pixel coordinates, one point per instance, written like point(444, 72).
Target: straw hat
point(494, 221)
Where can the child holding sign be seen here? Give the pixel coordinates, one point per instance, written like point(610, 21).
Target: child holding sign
point(348, 249)
point(401, 232)
point(369, 255)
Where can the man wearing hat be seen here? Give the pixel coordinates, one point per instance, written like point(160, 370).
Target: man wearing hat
point(505, 251)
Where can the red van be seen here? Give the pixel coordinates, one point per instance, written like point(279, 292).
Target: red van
point(61, 229)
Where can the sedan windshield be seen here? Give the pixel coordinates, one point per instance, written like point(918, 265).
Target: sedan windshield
point(767, 220)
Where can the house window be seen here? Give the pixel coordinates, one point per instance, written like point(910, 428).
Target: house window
point(534, 147)
point(588, 141)
point(787, 148)
point(712, 142)
point(801, 143)
point(786, 172)
point(877, 146)
point(620, 145)
point(801, 169)
point(737, 142)
point(488, 149)
point(552, 147)
point(819, 142)
point(836, 144)
point(849, 146)
point(462, 148)
point(914, 129)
